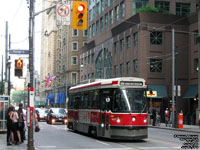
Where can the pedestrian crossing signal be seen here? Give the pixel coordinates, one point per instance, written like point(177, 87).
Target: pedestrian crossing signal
point(79, 15)
point(18, 67)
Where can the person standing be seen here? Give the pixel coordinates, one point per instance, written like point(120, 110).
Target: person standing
point(21, 123)
point(154, 117)
point(10, 130)
point(15, 118)
point(166, 117)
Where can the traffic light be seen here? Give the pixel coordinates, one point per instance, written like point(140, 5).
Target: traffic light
point(79, 15)
point(18, 67)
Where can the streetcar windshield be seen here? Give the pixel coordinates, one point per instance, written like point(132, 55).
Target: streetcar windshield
point(130, 100)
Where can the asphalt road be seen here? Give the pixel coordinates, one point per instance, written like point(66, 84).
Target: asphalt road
point(58, 137)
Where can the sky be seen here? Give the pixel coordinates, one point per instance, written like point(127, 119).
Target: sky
point(16, 12)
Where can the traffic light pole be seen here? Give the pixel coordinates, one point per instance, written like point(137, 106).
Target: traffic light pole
point(30, 145)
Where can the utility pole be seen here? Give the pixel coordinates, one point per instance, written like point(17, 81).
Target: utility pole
point(30, 145)
point(6, 51)
point(198, 39)
point(173, 68)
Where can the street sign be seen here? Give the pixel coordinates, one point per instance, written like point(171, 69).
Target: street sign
point(153, 94)
point(19, 52)
point(63, 14)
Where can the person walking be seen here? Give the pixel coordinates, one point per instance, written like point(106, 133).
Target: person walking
point(10, 130)
point(15, 118)
point(166, 117)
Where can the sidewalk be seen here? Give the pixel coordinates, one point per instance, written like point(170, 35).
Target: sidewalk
point(3, 144)
point(186, 128)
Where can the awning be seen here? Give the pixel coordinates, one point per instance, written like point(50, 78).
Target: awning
point(62, 97)
point(50, 99)
point(58, 97)
point(161, 90)
point(191, 92)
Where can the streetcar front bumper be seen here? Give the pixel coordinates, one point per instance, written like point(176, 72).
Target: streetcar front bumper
point(129, 132)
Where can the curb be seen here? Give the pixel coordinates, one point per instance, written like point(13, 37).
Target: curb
point(176, 129)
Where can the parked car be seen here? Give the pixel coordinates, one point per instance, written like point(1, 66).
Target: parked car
point(56, 115)
point(41, 113)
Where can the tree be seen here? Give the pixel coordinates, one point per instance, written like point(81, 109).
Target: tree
point(18, 96)
point(148, 8)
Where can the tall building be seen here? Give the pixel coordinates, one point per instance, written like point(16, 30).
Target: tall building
point(125, 42)
point(61, 52)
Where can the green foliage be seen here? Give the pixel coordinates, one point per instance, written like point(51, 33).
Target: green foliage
point(18, 96)
point(148, 8)
point(1, 88)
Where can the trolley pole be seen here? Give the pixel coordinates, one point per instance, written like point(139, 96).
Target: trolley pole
point(30, 145)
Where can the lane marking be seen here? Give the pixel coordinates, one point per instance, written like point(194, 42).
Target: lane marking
point(162, 142)
point(46, 146)
point(159, 147)
point(102, 142)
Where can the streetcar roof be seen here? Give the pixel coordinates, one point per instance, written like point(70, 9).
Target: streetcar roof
point(111, 81)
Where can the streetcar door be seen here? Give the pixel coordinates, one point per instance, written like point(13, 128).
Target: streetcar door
point(104, 108)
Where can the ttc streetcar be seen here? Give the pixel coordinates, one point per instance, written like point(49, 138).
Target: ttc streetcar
point(112, 108)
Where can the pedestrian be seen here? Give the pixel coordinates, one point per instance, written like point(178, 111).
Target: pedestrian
point(154, 117)
point(10, 130)
point(15, 117)
point(166, 117)
point(21, 124)
point(199, 120)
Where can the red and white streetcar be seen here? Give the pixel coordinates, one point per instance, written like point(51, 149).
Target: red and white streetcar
point(112, 108)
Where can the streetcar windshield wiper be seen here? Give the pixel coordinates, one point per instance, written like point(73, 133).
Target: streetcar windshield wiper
point(143, 108)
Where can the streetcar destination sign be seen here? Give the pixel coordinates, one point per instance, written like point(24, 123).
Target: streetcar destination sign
point(18, 51)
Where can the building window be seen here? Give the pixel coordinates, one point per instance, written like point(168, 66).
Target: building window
point(74, 60)
point(88, 59)
point(90, 15)
point(75, 33)
point(196, 65)
point(84, 43)
point(156, 38)
point(116, 13)
point(121, 70)
point(128, 44)
point(195, 37)
point(162, 6)
point(111, 16)
point(106, 21)
point(116, 71)
point(97, 26)
point(102, 5)
point(92, 75)
point(90, 32)
point(101, 24)
point(74, 78)
point(93, 29)
point(111, 2)
point(85, 33)
point(92, 58)
point(122, 9)
point(135, 38)
point(128, 68)
point(106, 4)
point(155, 65)
point(93, 13)
point(75, 46)
point(98, 8)
point(182, 8)
point(122, 44)
point(135, 65)
point(138, 4)
point(115, 47)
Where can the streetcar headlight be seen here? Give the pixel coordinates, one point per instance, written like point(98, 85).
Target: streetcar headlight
point(65, 120)
point(53, 120)
point(118, 120)
point(102, 125)
point(133, 119)
point(145, 120)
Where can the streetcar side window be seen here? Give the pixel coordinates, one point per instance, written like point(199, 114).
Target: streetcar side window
point(91, 97)
point(81, 100)
point(70, 102)
point(95, 99)
point(85, 105)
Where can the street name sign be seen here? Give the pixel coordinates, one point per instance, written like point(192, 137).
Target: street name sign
point(19, 52)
